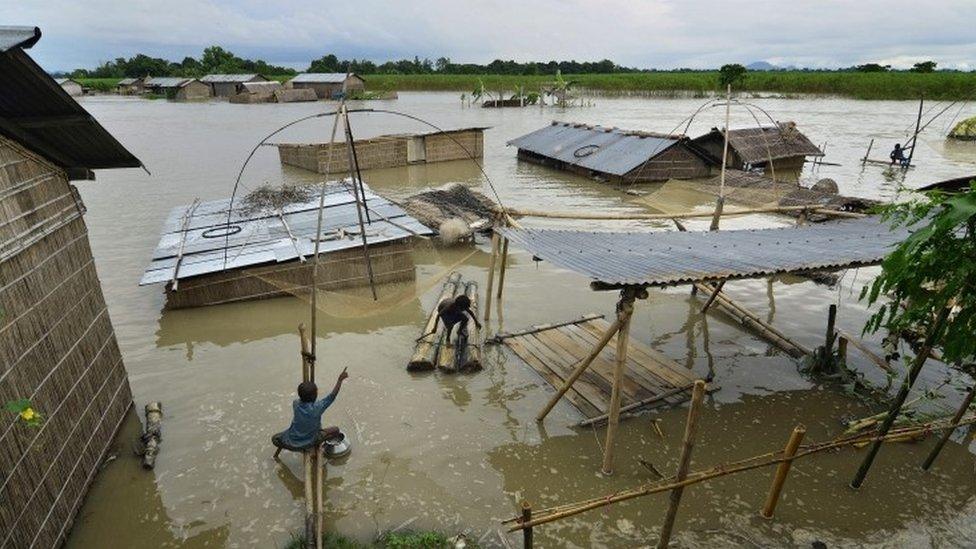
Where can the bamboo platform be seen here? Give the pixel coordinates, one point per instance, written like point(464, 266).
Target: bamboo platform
point(553, 351)
point(434, 351)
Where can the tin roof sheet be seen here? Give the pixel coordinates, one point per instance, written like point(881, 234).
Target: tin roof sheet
point(234, 78)
point(670, 258)
point(36, 112)
point(606, 150)
point(262, 238)
point(167, 81)
point(322, 77)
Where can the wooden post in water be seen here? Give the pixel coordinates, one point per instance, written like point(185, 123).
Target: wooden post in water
point(827, 358)
point(966, 403)
point(359, 210)
point(711, 298)
point(625, 309)
point(782, 470)
point(526, 518)
point(720, 202)
point(491, 274)
point(906, 387)
point(684, 463)
point(867, 154)
point(501, 270)
point(595, 352)
point(918, 124)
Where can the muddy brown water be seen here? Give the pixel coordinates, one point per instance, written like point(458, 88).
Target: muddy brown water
point(457, 453)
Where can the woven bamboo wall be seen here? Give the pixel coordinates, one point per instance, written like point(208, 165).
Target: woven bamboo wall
point(57, 347)
point(392, 262)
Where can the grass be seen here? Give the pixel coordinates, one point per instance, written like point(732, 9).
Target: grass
point(858, 85)
point(403, 540)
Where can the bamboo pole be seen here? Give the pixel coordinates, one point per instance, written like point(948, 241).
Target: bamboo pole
point(527, 518)
point(857, 344)
point(491, 274)
point(966, 403)
point(720, 201)
point(711, 298)
point(684, 463)
point(359, 211)
point(319, 514)
point(826, 356)
point(918, 123)
point(604, 339)
point(906, 386)
point(688, 215)
point(309, 498)
point(779, 479)
point(867, 154)
point(501, 270)
point(764, 329)
point(639, 404)
point(625, 309)
point(424, 356)
point(499, 337)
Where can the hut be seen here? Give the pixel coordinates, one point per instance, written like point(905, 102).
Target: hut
point(295, 96)
point(178, 88)
point(256, 92)
point(328, 85)
point(387, 151)
point(57, 344)
point(73, 88)
point(265, 249)
point(612, 154)
point(226, 85)
point(783, 145)
point(130, 86)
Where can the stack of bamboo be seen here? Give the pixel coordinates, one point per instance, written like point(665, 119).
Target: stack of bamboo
point(434, 350)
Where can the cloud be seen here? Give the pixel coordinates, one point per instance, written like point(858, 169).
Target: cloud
point(643, 33)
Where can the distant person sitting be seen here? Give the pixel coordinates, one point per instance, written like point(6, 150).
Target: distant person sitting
point(454, 311)
point(898, 155)
point(306, 429)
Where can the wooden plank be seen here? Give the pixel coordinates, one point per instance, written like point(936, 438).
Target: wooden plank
point(588, 385)
point(583, 405)
point(660, 374)
point(632, 389)
point(653, 383)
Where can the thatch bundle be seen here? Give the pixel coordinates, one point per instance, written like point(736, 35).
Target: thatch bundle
point(268, 199)
point(965, 130)
point(452, 201)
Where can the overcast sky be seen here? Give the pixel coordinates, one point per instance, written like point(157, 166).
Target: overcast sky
point(641, 33)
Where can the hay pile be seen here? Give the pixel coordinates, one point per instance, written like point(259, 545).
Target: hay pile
point(269, 199)
point(453, 201)
point(965, 130)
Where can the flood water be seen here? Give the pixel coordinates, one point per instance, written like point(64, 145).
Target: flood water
point(458, 453)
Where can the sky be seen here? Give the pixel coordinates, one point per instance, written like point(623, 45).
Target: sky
point(638, 33)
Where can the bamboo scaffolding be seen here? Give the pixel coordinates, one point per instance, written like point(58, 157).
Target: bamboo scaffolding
point(764, 460)
point(684, 462)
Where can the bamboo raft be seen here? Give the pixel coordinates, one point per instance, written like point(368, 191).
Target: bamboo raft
point(434, 351)
point(553, 351)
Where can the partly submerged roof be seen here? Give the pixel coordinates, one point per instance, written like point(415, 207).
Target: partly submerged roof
point(606, 150)
point(63, 81)
point(260, 238)
point(168, 81)
point(262, 87)
point(669, 257)
point(232, 78)
point(129, 81)
point(323, 77)
point(37, 113)
point(955, 185)
point(758, 145)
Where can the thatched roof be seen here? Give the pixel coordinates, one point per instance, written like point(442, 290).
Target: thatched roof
point(760, 145)
point(965, 130)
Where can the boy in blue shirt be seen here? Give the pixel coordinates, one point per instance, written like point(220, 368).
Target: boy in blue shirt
point(306, 424)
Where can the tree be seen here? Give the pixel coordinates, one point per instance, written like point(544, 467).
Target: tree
point(326, 63)
point(731, 74)
point(442, 64)
point(924, 66)
point(872, 67)
point(931, 271)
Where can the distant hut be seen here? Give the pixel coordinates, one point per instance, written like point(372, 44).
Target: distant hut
point(614, 155)
point(178, 88)
point(256, 92)
point(57, 344)
point(226, 85)
point(328, 85)
point(73, 88)
point(783, 144)
point(130, 86)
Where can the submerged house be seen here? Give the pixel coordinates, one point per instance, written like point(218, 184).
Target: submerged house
point(58, 350)
point(328, 85)
point(130, 86)
point(387, 151)
point(72, 87)
point(256, 92)
point(226, 85)
point(612, 154)
point(178, 88)
point(266, 251)
point(783, 145)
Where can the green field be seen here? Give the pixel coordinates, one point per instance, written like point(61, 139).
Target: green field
point(858, 85)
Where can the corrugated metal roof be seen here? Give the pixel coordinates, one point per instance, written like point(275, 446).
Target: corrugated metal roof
point(18, 37)
point(235, 78)
point(262, 87)
point(264, 239)
point(322, 77)
point(36, 112)
point(671, 257)
point(128, 81)
point(167, 81)
point(607, 150)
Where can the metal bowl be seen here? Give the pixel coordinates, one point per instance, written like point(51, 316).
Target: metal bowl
point(337, 446)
